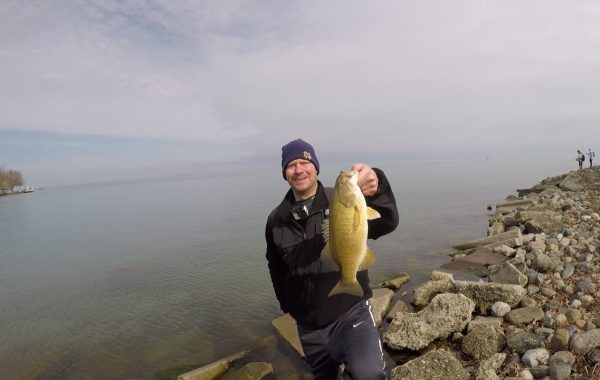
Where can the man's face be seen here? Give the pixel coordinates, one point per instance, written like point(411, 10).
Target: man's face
point(302, 176)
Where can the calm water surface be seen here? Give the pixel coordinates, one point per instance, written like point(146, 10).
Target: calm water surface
point(122, 280)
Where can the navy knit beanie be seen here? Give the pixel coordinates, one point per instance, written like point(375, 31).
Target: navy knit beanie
point(298, 149)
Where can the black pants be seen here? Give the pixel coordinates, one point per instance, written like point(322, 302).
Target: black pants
point(352, 340)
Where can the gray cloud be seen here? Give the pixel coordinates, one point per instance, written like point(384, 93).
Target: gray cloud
point(381, 76)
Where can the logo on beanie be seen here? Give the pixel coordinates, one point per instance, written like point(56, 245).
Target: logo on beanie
point(307, 156)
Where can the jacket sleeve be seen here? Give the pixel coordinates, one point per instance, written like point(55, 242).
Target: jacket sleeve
point(385, 203)
point(277, 267)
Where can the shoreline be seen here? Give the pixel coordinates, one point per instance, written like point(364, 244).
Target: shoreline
point(544, 266)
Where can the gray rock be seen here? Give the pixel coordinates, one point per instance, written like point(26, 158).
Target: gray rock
point(482, 293)
point(446, 314)
point(483, 341)
point(437, 275)
point(533, 227)
point(594, 357)
point(586, 286)
point(397, 282)
point(560, 340)
point(523, 341)
point(487, 368)
point(535, 357)
point(543, 263)
point(560, 371)
point(250, 371)
point(524, 315)
point(568, 271)
point(500, 309)
point(399, 306)
point(213, 370)
point(286, 328)
point(488, 293)
point(507, 273)
point(539, 371)
point(437, 364)
point(583, 343)
point(548, 322)
point(424, 293)
point(562, 357)
point(528, 302)
point(380, 302)
point(548, 292)
point(507, 238)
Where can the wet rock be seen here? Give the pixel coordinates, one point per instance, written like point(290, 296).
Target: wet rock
point(437, 364)
point(287, 329)
point(213, 370)
point(250, 371)
point(397, 282)
point(446, 314)
point(380, 302)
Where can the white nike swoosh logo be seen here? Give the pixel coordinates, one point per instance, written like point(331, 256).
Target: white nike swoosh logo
point(358, 324)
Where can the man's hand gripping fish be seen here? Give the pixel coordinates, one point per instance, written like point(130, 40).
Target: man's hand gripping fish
point(345, 233)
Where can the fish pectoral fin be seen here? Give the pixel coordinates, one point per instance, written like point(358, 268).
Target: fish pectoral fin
point(325, 229)
point(368, 261)
point(356, 221)
point(372, 214)
point(328, 264)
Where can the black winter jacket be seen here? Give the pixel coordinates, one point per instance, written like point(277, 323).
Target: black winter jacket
point(294, 250)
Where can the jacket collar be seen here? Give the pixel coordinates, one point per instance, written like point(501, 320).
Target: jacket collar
point(320, 202)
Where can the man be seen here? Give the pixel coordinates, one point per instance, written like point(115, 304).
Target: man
point(337, 329)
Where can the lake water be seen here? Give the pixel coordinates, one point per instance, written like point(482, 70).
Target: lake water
point(124, 280)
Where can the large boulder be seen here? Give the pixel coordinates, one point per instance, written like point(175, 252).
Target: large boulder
point(507, 273)
point(511, 238)
point(488, 293)
point(446, 314)
point(213, 370)
point(380, 302)
point(437, 364)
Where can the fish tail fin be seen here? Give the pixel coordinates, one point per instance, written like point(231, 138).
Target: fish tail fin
point(353, 288)
point(368, 261)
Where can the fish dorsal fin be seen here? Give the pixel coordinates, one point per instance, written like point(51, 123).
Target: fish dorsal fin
point(372, 214)
point(325, 230)
point(328, 264)
point(368, 261)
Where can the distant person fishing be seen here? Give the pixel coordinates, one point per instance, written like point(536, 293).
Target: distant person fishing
point(580, 158)
point(591, 155)
point(330, 302)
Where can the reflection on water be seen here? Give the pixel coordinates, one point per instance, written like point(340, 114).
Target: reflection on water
point(152, 278)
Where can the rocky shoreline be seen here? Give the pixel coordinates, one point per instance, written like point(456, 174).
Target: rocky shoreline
point(528, 306)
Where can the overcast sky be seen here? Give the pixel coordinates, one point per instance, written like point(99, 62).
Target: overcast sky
point(91, 88)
